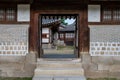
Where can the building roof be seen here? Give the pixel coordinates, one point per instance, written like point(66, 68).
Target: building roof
point(70, 27)
point(53, 22)
point(50, 22)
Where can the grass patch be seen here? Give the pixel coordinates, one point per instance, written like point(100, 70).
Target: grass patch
point(65, 47)
point(10, 78)
point(102, 79)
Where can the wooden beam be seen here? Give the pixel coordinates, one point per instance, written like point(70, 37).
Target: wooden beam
point(31, 1)
point(62, 1)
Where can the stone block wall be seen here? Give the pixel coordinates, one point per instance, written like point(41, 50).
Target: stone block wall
point(14, 39)
point(104, 40)
point(15, 61)
point(103, 58)
point(17, 66)
point(105, 48)
point(101, 66)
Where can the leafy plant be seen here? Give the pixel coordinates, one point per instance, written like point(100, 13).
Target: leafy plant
point(63, 21)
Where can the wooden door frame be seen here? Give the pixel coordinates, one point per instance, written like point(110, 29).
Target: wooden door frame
point(83, 35)
point(55, 12)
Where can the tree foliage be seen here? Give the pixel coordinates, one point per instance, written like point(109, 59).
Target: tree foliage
point(63, 21)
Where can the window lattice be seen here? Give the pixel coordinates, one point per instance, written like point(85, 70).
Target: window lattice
point(7, 14)
point(69, 35)
point(111, 14)
point(10, 14)
point(107, 15)
point(2, 12)
point(116, 15)
point(61, 35)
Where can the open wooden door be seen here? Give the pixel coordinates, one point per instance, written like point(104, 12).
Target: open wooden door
point(40, 37)
point(76, 51)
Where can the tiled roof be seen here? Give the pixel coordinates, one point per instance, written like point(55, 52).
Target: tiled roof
point(70, 27)
point(46, 22)
point(49, 21)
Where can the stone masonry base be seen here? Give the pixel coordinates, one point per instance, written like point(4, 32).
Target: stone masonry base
point(17, 66)
point(94, 66)
point(101, 66)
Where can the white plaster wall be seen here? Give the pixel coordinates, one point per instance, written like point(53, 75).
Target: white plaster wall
point(14, 39)
point(45, 40)
point(45, 30)
point(93, 13)
point(23, 13)
point(104, 33)
point(50, 36)
point(56, 36)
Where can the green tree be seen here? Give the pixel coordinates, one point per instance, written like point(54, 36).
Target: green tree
point(63, 21)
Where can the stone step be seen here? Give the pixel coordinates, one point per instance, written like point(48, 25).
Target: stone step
point(59, 64)
point(59, 60)
point(59, 71)
point(59, 78)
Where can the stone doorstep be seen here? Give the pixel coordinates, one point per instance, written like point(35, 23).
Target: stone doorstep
point(60, 71)
point(59, 65)
point(59, 78)
point(60, 60)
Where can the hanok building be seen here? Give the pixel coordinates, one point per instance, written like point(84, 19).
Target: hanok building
point(49, 32)
point(97, 39)
point(67, 34)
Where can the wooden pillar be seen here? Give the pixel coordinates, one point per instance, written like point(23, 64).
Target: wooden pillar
point(33, 33)
point(84, 30)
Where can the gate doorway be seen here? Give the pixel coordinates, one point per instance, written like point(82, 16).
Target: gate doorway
point(58, 35)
